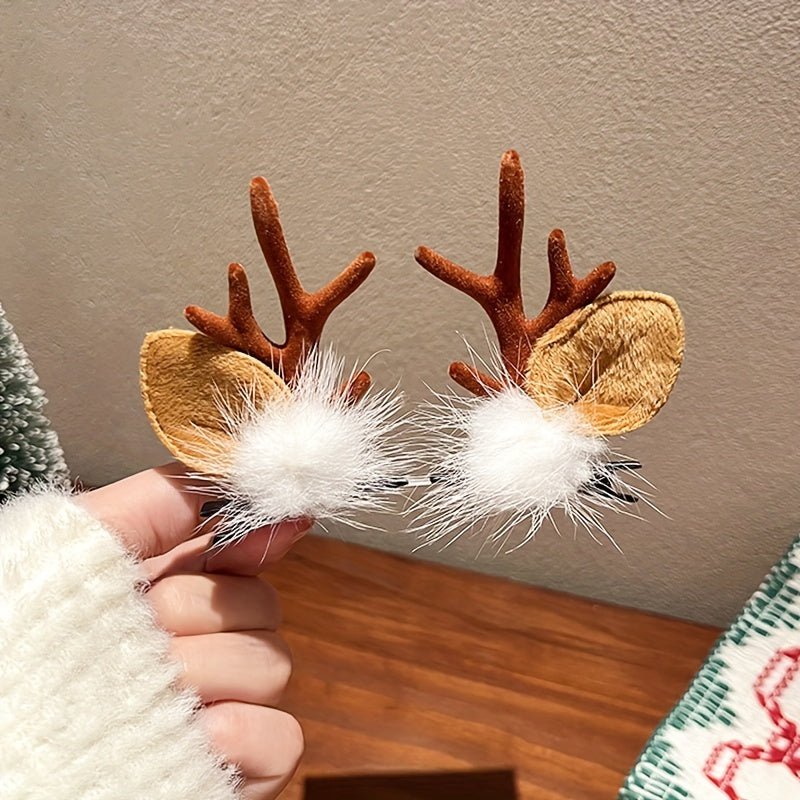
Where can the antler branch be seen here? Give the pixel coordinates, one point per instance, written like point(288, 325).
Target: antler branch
point(304, 313)
point(567, 293)
point(500, 294)
point(239, 329)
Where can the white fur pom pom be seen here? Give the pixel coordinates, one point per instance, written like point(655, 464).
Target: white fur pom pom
point(313, 454)
point(504, 459)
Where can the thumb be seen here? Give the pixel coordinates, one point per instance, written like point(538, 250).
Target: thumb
point(151, 511)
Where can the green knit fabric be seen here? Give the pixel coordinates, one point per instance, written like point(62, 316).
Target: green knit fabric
point(735, 733)
point(29, 448)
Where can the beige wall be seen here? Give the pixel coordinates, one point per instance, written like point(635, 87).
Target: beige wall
point(663, 136)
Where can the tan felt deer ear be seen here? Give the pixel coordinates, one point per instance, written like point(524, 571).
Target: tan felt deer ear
point(617, 360)
point(184, 377)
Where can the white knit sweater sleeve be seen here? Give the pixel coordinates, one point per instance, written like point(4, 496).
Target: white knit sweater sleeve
point(88, 704)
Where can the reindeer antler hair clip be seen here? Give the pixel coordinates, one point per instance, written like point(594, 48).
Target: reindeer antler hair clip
point(584, 368)
point(276, 429)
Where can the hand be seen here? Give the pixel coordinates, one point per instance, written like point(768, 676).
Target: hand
point(223, 618)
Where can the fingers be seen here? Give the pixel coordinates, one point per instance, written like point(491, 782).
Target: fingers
point(156, 511)
point(265, 743)
point(248, 666)
point(249, 556)
point(223, 618)
point(194, 604)
point(238, 667)
point(152, 511)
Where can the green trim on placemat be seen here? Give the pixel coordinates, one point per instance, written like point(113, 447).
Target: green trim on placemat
point(734, 733)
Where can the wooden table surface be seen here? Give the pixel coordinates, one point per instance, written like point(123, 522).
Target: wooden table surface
point(404, 666)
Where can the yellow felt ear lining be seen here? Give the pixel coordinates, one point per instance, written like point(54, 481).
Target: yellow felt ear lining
point(183, 377)
point(616, 360)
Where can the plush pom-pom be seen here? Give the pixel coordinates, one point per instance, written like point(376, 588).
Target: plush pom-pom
point(502, 459)
point(311, 454)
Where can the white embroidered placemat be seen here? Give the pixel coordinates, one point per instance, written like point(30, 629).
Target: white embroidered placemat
point(735, 734)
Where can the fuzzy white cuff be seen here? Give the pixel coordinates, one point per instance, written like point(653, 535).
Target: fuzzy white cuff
point(88, 704)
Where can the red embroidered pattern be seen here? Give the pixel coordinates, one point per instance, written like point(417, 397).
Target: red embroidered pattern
point(783, 744)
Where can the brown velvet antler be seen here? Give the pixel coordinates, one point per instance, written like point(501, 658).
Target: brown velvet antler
point(304, 313)
point(500, 294)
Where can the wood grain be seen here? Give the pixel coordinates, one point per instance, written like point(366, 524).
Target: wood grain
point(403, 666)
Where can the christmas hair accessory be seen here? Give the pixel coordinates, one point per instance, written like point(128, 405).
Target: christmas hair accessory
point(586, 367)
point(278, 430)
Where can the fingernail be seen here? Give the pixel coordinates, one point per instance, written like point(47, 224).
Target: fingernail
point(283, 543)
point(304, 525)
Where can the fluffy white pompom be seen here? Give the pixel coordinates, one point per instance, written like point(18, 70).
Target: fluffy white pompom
point(312, 454)
point(503, 459)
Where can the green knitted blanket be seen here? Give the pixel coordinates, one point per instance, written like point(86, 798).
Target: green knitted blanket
point(734, 734)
